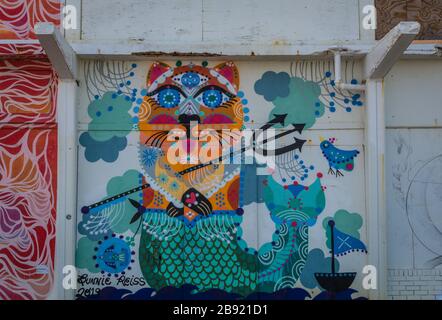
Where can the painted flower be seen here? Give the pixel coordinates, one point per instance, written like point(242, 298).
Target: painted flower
point(174, 186)
point(149, 157)
point(162, 178)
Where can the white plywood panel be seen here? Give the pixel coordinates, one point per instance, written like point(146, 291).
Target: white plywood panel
point(152, 20)
point(413, 176)
point(413, 95)
point(279, 21)
point(272, 22)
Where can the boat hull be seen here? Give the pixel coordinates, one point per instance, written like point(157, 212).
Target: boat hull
point(335, 282)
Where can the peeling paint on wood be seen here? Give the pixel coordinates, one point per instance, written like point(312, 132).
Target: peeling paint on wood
point(176, 54)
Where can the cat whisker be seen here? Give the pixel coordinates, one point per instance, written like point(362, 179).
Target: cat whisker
point(156, 137)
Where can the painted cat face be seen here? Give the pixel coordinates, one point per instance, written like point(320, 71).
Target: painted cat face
point(177, 98)
point(182, 94)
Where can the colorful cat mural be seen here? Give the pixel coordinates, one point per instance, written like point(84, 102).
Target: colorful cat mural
point(192, 237)
point(182, 219)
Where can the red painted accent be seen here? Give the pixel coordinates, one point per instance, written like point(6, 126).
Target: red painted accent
point(192, 198)
point(228, 71)
point(157, 69)
point(164, 119)
point(217, 119)
point(148, 195)
point(233, 194)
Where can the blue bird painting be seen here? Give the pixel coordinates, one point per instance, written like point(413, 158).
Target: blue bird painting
point(338, 159)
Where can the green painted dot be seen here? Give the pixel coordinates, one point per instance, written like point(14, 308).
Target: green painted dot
point(205, 63)
point(179, 63)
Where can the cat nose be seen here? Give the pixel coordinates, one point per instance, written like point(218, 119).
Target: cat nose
point(189, 107)
point(187, 119)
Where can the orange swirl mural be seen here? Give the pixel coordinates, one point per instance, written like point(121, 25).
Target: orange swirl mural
point(28, 91)
point(28, 153)
point(27, 210)
point(18, 17)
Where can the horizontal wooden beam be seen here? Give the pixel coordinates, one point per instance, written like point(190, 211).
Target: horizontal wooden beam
point(59, 51)
point(141, 50)
point(64, 55)
point(145, 50)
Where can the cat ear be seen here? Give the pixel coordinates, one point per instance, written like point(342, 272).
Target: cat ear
point(156, 70)
point(229, 71)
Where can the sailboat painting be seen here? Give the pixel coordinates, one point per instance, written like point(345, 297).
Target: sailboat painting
point(341, 244)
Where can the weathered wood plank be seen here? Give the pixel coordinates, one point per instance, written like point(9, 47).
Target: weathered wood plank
point(427, 12)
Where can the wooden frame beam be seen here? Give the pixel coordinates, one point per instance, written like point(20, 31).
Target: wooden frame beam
point(389, 49)
point(60, 53)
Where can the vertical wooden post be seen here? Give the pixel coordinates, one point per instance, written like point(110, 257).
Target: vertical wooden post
point(67, 184)
point(375, 184)
point(64, 60)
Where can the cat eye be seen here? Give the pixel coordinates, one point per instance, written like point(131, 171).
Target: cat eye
point(168, 97)
point(213, 97)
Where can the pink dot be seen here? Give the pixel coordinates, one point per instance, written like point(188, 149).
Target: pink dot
point(319, 175)
point(294, 224)
point(349, 166)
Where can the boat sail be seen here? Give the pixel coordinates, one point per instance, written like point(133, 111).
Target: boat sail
point(341, 244)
